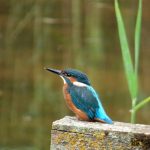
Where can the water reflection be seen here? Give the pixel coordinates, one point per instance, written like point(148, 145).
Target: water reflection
point(51, 33)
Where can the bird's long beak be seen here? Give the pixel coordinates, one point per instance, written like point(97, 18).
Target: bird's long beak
point(58, 72)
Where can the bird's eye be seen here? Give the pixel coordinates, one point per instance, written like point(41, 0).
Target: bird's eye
point(68, 75)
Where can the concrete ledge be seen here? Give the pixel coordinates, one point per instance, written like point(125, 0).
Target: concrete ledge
point(70, 134)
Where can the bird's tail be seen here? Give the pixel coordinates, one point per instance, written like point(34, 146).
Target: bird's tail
point(101, 116)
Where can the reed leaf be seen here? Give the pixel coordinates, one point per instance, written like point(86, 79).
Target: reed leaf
point(138, 36)
point(141, 104)
point(128, 65)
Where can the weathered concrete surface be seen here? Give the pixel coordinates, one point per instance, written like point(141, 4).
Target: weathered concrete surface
point(70, 134)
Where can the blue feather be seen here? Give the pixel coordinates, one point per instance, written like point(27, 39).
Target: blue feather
point(100, 112)
point(87, 100)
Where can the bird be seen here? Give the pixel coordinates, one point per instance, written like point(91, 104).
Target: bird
point(81, 97)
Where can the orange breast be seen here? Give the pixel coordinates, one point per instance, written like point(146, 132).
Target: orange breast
point(80, 114)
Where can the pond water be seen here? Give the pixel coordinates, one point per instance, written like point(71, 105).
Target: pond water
point(62, 34)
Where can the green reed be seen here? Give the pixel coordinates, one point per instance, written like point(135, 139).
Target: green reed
point(131, 70)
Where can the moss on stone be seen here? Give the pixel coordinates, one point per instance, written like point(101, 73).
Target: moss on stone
point(70, 133)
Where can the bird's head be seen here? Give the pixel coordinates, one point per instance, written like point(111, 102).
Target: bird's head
point(73, 75)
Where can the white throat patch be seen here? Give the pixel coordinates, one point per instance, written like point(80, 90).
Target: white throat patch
point(80, 84)
point(63, 80)
point(76, 83)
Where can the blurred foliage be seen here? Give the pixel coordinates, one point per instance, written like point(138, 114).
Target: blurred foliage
point(131, 70)
point(61, 34)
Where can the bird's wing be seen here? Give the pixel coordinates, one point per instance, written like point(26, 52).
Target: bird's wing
point(85, 99)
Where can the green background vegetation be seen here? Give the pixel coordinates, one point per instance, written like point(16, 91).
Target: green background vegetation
point(63, 34)
point(131, 69)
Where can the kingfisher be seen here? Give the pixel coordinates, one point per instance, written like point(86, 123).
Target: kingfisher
point(81, 97)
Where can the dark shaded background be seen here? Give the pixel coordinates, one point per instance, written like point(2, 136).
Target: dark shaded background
point(79, 34)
